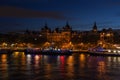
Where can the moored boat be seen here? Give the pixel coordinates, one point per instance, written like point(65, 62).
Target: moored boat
point(105, 53)
point(99, 51)
point(56, 52)
point(48, 52)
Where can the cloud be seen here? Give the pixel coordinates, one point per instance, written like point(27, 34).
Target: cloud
point(6, 24)
point(6, 11)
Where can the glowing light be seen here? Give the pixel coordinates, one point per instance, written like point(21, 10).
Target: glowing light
point(58, 49)
point(28, 56)
point(12, 45)
point(109, 59)
point(62, 59)
point(23, 53)
point(118, 47)
point(118, 59)
point(4, 44)
point(58, 59)
point(4, 58)
point(109, 50)
point(118, 51)
point(55, 48)
point(114, 59)
point(28, 59)
point(114, 51)
point(101, 67)
point(108, 34)
point(16, 54)
point(70, 60)
point(82, 57)
point(36, 57)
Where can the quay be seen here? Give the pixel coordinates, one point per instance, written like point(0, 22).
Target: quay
point(36, 51)
point(107, 52)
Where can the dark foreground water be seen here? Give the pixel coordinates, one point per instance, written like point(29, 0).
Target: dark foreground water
point(19, 66)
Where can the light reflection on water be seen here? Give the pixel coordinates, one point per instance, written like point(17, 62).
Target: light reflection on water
point(19, 66)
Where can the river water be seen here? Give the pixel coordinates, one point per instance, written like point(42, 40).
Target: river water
point(19, 66)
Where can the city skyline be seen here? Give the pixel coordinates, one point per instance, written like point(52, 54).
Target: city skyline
point(17, 15)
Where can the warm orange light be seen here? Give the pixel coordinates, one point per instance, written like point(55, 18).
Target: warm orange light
point(70, 59)
point(36, 57)
point(101, 67)
point(108, 35)
point(82, 57)
point(4, 58)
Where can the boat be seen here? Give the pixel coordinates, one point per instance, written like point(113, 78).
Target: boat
point(105, 52)
point(48, 51)
point(56, 52)
point(100, 51)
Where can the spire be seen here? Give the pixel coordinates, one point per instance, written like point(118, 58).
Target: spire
point(66, 22)
point(95, 27)
point(46, 26)
point(95, 23)
point(67, 25)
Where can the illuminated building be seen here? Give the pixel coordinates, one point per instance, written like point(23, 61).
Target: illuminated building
point(62, 36)
point(57, 35)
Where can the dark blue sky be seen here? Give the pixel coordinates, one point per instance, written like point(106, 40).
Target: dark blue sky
point(81, 14)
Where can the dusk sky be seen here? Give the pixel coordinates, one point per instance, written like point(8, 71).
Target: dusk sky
point(18, 15)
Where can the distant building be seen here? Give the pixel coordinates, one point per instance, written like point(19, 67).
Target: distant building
point(91, 36)
point(57, 35)
point(45, 30)
point(107, 35)
point(64, 35)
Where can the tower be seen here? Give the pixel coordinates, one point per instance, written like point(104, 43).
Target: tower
point(94, 27)
point(45, 26)
point(67, 27)
point(66, 32)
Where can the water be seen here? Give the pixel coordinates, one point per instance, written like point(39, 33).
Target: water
point(19, 66)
